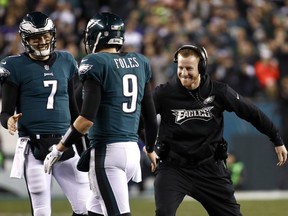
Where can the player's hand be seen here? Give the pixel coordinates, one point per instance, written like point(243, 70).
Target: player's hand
point(11, 123)
point(51, 159)
point(153, 158)
point(282, 154)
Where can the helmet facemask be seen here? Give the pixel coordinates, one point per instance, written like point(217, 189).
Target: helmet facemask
point(36, 49)
point(33, 25)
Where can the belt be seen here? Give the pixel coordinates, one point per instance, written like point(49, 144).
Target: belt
point(45, 136)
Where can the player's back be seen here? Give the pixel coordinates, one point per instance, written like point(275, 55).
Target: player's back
point(123, 77)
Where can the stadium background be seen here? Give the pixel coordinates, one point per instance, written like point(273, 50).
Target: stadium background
point(246, 42)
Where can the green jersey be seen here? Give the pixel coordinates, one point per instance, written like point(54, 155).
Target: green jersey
point(122, 77)
point(43, 97)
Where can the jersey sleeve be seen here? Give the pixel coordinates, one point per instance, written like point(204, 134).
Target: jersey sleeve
point(6, 71)
point(91, 68)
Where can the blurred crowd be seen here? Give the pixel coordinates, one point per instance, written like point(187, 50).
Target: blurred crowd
point(246, 40)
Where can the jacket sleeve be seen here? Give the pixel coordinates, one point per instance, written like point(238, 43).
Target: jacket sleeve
point(246, 110)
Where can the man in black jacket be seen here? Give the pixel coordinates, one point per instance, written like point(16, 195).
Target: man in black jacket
point(191, 146)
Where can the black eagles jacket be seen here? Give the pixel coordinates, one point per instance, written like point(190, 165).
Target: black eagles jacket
point(192, 120)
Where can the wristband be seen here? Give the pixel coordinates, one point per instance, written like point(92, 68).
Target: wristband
point(149, 149)
point(71, 137)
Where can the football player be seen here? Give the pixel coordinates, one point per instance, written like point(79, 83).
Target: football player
point(116, 92)
point(37, 84)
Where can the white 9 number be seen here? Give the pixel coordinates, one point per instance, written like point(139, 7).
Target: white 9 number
point(130, 90)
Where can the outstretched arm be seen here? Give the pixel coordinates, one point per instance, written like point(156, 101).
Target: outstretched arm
point(12, 123)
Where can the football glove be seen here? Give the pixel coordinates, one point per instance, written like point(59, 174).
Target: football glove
point(51, 159)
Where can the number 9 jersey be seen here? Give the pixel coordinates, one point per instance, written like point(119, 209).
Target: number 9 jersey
point(122, 77)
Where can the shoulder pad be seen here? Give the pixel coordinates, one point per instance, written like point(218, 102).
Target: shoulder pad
point(4, 73)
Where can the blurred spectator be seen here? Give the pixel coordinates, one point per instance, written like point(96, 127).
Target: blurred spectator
point(65, 21)
point(237, 169)
point(225, 70)
point(9, 29)
point(247, 84)
point(46, 6)
point(158, 63)
point(132, 36)
point(3, 8)
point(267, 72)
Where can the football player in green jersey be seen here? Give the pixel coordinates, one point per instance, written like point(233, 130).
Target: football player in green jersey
point(38, 85)
point(116, 93)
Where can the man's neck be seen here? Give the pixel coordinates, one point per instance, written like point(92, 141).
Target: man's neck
point(39, 58)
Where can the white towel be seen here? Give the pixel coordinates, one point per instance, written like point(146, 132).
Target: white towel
point(17, 170)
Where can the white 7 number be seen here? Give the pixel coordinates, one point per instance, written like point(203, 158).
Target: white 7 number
point(130, 89)
point(50, 101)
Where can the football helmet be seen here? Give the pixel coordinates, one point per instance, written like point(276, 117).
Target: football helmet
point(104, 29)
point(36, 23)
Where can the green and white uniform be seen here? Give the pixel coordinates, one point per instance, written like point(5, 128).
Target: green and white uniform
point(115, 157)
point(39, 90)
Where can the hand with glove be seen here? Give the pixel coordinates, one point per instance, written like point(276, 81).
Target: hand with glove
point(51, 159)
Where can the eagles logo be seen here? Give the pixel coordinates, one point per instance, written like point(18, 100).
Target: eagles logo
point(183, 115)
point(84, 68)
point(209, 100)
point(94, 22)
point(4, 72)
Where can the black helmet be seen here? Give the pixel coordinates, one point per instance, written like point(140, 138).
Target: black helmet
point(104, 29)
point(37, 23)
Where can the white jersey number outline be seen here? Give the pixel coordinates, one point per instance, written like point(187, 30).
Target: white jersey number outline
point(50, 101)
point(130, 90)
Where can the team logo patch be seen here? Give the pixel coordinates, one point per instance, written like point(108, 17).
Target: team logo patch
point(84, 68)
point(183, 115)
point(4, 72)
point(48, 74)
point(94, 22)
point(209, 100)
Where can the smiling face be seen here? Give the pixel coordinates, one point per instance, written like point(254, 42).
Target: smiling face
point(41, 45)
point(187, 69)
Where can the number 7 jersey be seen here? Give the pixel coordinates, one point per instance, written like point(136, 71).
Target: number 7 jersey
point(43, 96)
point(122, 77)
